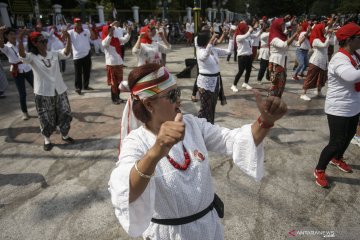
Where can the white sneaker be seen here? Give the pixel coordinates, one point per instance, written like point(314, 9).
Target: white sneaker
point(247, 86)
point(305, 97)
point(25, 116)
point(234, 88)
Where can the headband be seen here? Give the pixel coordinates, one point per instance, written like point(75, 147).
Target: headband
point(146, 87)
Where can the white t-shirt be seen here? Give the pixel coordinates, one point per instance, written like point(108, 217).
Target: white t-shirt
point(47, 76)
point(341, 98)
point(80, 43)
point(11, 51)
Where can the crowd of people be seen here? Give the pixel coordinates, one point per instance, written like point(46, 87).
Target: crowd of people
point(161, 187)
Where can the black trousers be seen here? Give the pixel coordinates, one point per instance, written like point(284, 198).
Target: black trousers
point(263, 68)
point(342, 130)
point(20, 85)
point(244, 64)
point(82, 70)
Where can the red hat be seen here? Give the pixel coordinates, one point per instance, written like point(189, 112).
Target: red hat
point(264, 18)
point(77, 20)
point(347, 31)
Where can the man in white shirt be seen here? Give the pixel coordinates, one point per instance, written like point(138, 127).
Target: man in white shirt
point(80, 41)
point(19, 71)
point(56, 43)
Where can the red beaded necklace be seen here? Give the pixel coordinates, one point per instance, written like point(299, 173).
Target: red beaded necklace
point(177, 165)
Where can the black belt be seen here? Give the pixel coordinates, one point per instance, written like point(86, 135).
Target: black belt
point(188, 219)
point(210, 75)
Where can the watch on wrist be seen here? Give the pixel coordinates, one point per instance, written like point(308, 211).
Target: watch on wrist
point(264, 124)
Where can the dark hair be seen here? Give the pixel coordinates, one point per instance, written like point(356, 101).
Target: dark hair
point(344, 42)
point(203, 38)
point(9, 30)
point(32, 48)
point(135, 75)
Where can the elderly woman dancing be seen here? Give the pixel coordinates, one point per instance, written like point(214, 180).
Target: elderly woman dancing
point(51, 101)
point(162, 186)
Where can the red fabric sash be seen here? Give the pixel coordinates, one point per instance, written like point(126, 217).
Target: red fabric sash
point(346, 53)
point(15, 69)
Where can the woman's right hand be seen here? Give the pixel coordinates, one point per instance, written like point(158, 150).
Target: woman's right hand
point(170, 133)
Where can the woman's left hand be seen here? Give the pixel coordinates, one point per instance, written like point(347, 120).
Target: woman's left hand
point(271, 108)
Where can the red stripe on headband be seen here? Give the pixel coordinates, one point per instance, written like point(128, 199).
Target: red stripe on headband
point(154, 82)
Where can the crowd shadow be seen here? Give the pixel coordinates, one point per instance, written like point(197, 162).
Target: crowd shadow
point(22, 179)
point(275, 133)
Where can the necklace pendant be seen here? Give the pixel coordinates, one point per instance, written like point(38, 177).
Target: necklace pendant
point(199, 156)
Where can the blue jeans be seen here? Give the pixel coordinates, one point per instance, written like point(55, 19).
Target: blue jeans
point(302, 59)
point(20, 85)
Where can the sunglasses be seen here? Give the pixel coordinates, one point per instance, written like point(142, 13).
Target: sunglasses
point(43, 41)
point(172, 95)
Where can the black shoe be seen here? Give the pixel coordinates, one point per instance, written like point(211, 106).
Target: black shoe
point(68, 139)
point(116, 102)
point(78, 91)
point(48, 147)
point(89, 88)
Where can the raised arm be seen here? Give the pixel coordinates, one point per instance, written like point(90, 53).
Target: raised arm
point(66, 35)
point(22, 33)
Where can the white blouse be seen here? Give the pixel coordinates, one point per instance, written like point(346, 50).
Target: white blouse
point(173, 193)
point(320, 55)
point(208, 62)
point(47, 76)
point(150, 53)
point(264, 52)
point(244, 44)
point(305, 45)
point(278, 51)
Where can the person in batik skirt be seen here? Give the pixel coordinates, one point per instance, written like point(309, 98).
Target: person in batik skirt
point(279, 45)
point(51, 101)
point(114, 62)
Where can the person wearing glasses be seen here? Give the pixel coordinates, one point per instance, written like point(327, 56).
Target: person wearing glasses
point(342, 104)
point(51, 101)
point(162, 187)
point(19, 70)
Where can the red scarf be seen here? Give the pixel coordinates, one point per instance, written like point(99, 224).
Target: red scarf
point(304, 27)
point(317, 33)
point(346, 53)
point(58, 36)
point(276, 30)
point(115, 42)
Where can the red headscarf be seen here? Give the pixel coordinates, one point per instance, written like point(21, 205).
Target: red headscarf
point(241, 29)
point(276, 30)
point(146, 38)
point(304, 26)
point(317, 32)
point(115, 42)
point(33, 36)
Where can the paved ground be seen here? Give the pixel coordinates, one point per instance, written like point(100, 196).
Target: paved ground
point(63, 194)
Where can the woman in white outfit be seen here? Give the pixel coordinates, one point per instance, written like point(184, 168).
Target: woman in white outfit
point(161, 187)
